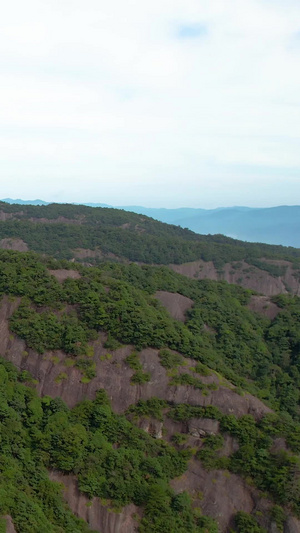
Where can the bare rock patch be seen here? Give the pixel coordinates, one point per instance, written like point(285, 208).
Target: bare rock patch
point(264, 306)
point(14, 244)
point(98, 516)
point(175, 303)
point(62, 273)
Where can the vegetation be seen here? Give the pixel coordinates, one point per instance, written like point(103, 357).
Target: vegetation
point(246, 523)
point(274, 472)
point(170, 359)
point(58, 230)
point(112, 458)
point(26, 493)
point(256, 354)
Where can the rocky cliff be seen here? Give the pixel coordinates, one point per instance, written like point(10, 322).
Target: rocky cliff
point(219, 493)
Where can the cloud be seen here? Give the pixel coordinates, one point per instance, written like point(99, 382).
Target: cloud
point(150, 100)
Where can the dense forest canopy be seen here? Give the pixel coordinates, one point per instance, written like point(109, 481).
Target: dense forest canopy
point(59, 229)
point(111, 457)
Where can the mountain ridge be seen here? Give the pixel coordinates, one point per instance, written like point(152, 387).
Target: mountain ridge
point(273, 225)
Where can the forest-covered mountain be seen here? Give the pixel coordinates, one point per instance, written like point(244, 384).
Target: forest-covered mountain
point(160, 402)
point(273, 225)
point(93, 235)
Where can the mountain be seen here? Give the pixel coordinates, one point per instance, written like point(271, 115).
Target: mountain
point(24, 202)
point(272, 225)
point(160, 400)
point(92, 235)
point(41, 202)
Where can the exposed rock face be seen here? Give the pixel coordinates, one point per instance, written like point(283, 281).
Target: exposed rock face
point(243, 274)
point(201, 427)
point(264, 306)
point(14, 244)
point(5, 216)
point(152, 427)
point(62, 273)
point(175, 303)
point(85, 253)
point(10, 528)
point(99, 517)
point(292, 525)
point(218, 493)
point(223, 494)
point(114, 375)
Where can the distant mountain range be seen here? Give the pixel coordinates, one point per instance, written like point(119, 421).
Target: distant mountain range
point(272, 225)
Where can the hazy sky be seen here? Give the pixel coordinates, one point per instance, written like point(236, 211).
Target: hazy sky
point(158, 103)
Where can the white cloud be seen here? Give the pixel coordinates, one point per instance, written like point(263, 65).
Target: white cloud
point(100, 92)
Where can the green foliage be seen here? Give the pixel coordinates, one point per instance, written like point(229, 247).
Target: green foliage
point(139, 376)
point(112, 458)
point(87, 367)
point(133, 361)
point(187, 379)
point(246, 523)
point(128, 235)
point(170, 359)
point(179, 438)
point(183, 412)
point(207, 454)
point(26, 493)
point(111, 343)
point(279, 517)
point(221, 333)
point(166, 512)
point(202, 370)
point(151, 408)
point(46, 331)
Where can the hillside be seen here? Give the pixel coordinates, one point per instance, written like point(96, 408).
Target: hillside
point(92, 235)
point(156, 424)
point(272, 225)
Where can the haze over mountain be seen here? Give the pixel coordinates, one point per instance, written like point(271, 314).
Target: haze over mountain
point(272, 225)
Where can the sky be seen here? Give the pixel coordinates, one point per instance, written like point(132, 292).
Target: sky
point(167, 103)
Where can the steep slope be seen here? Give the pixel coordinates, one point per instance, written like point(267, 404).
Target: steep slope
point(275, 276)
point(184, 417)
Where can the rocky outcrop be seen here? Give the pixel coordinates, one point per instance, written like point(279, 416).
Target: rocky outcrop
point(218, 493)
point(5, 216)
point(100, 517)
point(264, 306)
point(292, 525)
point(62, 273)
point(85, 253)
point(175, 303)
point(114, 375)
point(152, 427)
point(14, 244)
point(10, 528)
point(202, 427)
point(244, 274)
